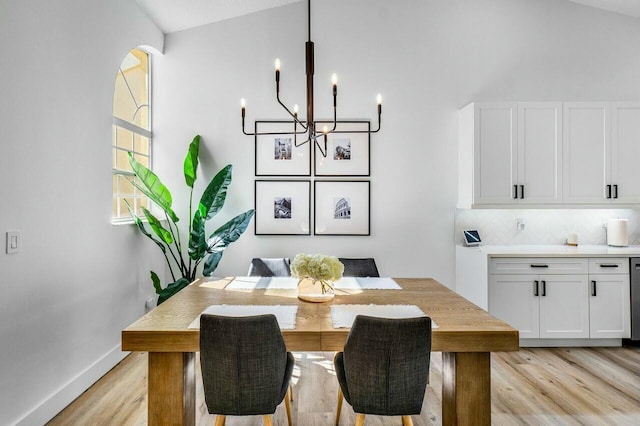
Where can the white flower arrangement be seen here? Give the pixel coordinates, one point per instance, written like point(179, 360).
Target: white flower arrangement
point(317, 267)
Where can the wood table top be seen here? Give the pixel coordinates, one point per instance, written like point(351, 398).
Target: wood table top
point(462, 326)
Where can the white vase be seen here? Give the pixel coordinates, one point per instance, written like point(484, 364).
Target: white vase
point(311, 290)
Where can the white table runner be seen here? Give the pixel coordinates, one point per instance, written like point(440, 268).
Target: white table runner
point(285, 314)
point(343, 315)
point(368, 283)
point(290, 283)
point(251, 283)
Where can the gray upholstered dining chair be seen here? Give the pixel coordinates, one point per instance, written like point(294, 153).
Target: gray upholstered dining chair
point(270, 267)
point(363, 267)
point(384, 367)
point(246, 368)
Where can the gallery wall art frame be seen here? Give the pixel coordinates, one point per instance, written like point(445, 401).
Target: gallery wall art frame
point(342, 207)
point(276, 154)
point(283, 207)
point(348, 153)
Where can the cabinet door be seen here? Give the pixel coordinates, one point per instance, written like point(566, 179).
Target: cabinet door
point(540, 152)
point(495, 153)
point(586, 152)
point(564, 306)
point(512, 299)
point(625, 152)
point(609, 306)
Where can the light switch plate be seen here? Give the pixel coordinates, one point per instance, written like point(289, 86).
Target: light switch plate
point(13, 242)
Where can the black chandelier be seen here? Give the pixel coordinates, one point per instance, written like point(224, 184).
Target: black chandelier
point(308, 127)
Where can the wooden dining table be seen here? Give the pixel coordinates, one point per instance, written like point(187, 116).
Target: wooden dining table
point(465, 334)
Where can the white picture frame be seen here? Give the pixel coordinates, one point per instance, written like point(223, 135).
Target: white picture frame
point(282, 207)
point(276, 154)
point(343, 140)
point(342, 207)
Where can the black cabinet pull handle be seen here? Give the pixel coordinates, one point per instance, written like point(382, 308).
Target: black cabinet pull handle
point(608, 265)
point(515, 192)
point(544, 288)
point(615, 191)
point(535, 291)
point(538, 265)
point(593, 288)
point(521, 191)
point(608, 191)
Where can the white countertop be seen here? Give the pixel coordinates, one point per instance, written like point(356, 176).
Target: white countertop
point(555, 250)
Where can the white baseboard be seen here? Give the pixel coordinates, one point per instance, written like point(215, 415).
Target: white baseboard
point(552, 343)
point(54, 403)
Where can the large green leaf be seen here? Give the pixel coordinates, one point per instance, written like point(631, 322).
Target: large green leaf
point(222, 237)
point(172, 289)
point(157, 227)
point(211, 263)
point(191, 162)
point(197, 240)
point(214, 196)
point(142, 229)
point(156, 282)
point(233, 229)
point(152, 187)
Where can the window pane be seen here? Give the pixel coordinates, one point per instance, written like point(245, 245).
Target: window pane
point(122, 160)
point(124, 212)
point(125, 187)
point(131, 96)
point(124, 138)
point(142, 159)
point(141, 144)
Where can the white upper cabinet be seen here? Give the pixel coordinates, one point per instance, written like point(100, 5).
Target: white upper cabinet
point(587, 148)
point(540, 152)
point(625, 153)
point(494, 145)
point(549, 153)
point(510, 153)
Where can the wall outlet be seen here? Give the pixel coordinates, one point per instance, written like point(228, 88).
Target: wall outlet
point(14, 244)
point(520, 224)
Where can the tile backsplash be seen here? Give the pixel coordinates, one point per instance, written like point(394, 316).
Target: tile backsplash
point(542, 226)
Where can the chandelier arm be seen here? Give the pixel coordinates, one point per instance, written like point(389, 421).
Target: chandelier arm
point(296, 144)
point(324, 153)
point(293, 115)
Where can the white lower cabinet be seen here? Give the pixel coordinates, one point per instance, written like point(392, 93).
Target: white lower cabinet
point(562, 298)
point(542, 306)
point(609, 298)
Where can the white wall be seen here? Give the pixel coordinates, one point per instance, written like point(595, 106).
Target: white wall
point(78, 280)
point(428, 58)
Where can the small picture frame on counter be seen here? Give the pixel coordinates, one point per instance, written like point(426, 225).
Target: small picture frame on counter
point(471, 238)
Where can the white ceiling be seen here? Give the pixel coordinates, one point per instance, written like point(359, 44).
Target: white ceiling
point(173, 15)
point(625, 7)
point(176, 15)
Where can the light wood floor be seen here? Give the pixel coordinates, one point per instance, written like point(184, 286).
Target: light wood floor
point(564, 386)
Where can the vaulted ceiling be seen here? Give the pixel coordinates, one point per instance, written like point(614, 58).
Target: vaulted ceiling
point(172, 15)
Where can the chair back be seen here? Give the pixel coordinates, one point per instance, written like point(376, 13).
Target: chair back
point(386, 365)
point(270, 267)
point(364, 267)
point(244, 363)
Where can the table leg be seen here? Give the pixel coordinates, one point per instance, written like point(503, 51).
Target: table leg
point(172, 388)
point(466, 388)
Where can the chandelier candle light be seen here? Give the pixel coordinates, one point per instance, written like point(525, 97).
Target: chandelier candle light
point(308, 127)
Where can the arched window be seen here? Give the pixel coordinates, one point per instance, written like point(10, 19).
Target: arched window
point(131, 131)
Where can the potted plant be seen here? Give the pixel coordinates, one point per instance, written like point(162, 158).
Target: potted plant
point(200, 247)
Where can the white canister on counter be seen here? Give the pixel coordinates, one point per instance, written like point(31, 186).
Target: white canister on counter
point(617, 235)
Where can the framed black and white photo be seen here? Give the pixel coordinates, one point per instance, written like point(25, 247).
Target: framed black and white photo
point(282, 207)
point(277, 154)
point(347, 152)
point(342, 207)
